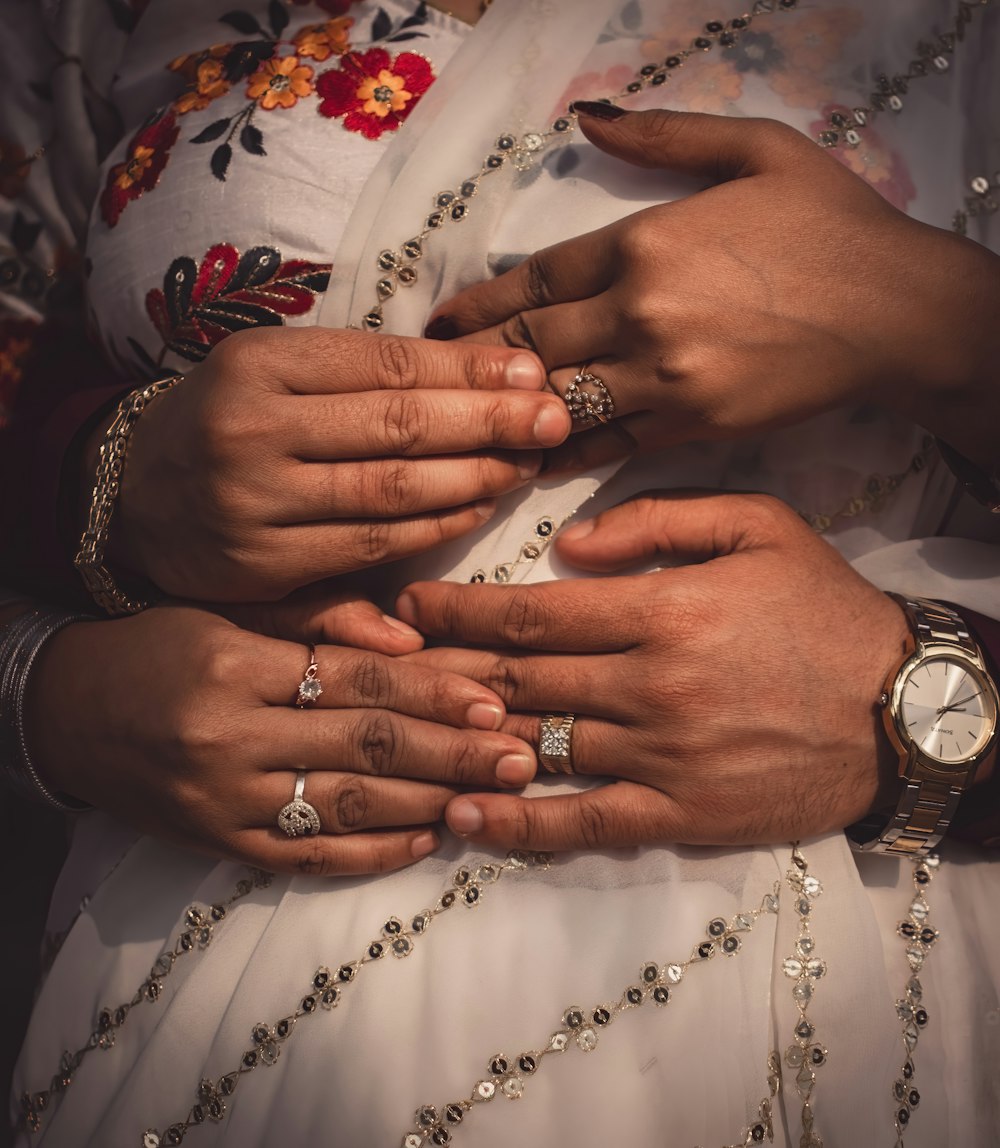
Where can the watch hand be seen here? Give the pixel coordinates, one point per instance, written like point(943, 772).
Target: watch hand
point(961, 701)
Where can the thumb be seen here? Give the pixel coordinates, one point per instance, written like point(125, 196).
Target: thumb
point(717, 147)
point(689, 526)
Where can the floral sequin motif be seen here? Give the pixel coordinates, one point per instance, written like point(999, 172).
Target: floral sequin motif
point(372, 91)
point(201, 304)
point(280, 83)
point(145, 158)
point(321, 41)
point(873, 160)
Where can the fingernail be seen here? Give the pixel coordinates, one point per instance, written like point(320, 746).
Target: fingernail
point(486, 508)
point(483, 715)
point(423, 844)
point(581, 530)
point(530, 464)
point(515, 769)
point(524, 373)
point(441, 328)
point(463, 817)
point(406, 606)
point(401, 627)
point(598, 110)
point(550, 426)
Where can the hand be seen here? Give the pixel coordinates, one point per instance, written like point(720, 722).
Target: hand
point(735, 700)
point(181, 725)
point(293, 455)
point(774, 295)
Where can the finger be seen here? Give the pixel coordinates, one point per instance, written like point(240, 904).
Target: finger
point(318, 361)
point(321, 614)
point(621, 438)
point(546, 616)
point(538, 683)
point(566, 333)
point(323, 550)
point(692, 526)
point(611, 816)
point(329, 856)
point(719, 147)
point(575, 269)
point(380, 743)
point(408, 423)
point(346, 802)
point(397, 487)
point(352, 679)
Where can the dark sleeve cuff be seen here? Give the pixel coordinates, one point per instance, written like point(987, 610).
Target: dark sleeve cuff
point(978, 816)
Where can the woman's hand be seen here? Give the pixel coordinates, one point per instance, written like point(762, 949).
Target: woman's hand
point(182, 725)
point(293, 455)
point(735, 700)
point(788, 288)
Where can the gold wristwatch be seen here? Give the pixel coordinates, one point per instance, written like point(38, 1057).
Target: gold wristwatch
point(940, 710)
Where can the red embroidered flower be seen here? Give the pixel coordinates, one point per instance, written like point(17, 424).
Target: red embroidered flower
point(201, 304)
point(146, 157)
point(16, 338)
point(372, 91)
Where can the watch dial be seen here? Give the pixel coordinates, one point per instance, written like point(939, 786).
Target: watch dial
point(947, 710)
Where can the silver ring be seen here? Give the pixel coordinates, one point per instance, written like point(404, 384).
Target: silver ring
point(555, 750)
point(298, 818)
point(310, 687)
point(588, 398)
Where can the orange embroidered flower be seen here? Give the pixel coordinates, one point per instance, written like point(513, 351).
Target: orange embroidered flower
point(372, 91)
point(188, 64)
point(145, 158)
point(321, 41)
point(209, 84)
point(280, 83)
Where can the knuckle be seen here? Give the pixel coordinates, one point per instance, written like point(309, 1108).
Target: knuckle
point(516, 332)
point(598, 824)
point(405, 421)
point(524, 620)
point(538, 280)
point(495, 421)
point(397, 487)
point(505, 677)
point(381, 743)
point(350, 806)
point(397, 362)
point(313, 860)
point(370, 684)
point(371, 542)
point(463, 762)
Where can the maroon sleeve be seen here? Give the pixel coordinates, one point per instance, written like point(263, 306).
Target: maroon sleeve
point(978, 817)
point(64, 390)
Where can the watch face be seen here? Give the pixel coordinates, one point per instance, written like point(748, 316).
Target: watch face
point(947, 709)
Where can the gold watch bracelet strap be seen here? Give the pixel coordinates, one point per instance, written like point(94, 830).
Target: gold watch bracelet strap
point(98, 579)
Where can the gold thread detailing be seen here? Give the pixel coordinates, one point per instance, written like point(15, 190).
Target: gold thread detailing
point(328, 986)
point(508, 1076)
point(933, 58)
point(877, 489)
point(200, 925)
point(918, 935)
point(805, 1055)
point(761, 1127)
point(107, 486)
point(397, 267)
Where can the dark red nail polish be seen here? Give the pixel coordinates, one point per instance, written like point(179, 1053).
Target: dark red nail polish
point(441, 328)
point(598, 110)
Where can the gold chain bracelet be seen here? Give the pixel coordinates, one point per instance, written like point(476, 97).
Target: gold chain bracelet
point(100, 582)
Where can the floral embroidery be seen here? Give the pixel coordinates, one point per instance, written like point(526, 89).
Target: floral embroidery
point(146, 157)
point(374, 92)
point(873, 160)
point(280, 82)
point(16, 339)
point(208, 82)
point(321, 41)
point(15, 165)
point(200, 305)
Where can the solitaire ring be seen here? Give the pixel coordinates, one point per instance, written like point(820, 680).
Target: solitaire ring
point(310, 687)
point(554, 743)
point(298, 818)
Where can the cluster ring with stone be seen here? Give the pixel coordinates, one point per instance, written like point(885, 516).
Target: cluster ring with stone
point(298, 818)
point(588, 398)
point(555, 751)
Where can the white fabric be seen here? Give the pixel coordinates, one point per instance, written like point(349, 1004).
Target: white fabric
point(498, 978)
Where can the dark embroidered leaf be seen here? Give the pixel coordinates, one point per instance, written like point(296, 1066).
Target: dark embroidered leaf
point(24, 234)
point(277, 13)
point(212, 132)
point(252, 140)
point(144, 357)
point(406, 36)
point(381, 25)
point(245, 58)
point(122, 15)
point(242, 22)
point(199, 306)
point(418, 17)
point(631, 16)
point(220, 161)
point(42, 89)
